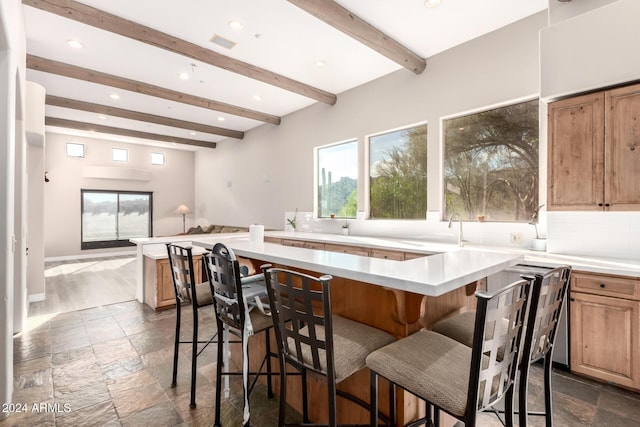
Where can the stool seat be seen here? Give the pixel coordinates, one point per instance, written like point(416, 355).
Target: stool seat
point(352, 343)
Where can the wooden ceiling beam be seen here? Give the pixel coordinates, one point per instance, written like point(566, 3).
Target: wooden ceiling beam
point(73, 104)
point(100, 19)
point(74, 72)
point(342, 19)
point(90, 127)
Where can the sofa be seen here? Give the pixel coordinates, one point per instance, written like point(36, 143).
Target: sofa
point(213, 229)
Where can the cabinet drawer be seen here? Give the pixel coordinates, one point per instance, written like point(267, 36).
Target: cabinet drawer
point(386, 254)
point(314, 245)
point(294, 243)
point(615, 286)
point(353, 250)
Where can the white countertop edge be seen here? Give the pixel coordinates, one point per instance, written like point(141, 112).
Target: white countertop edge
point(431, 275)
point(602, 265)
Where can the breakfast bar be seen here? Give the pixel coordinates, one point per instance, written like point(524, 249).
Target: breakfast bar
point(398, 294)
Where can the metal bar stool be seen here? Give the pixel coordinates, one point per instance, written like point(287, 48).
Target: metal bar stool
point(452, 377)
point(198, 295)
point(309, 337)
point(237, 315)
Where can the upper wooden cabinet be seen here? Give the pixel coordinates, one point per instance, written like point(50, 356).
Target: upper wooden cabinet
point(594, 151)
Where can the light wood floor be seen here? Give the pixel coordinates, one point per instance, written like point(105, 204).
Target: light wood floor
point(81, 284)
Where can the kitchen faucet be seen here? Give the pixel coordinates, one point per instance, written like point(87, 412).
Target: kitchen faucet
point(460, 235)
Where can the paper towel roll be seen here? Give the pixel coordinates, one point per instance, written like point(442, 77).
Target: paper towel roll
point(256, 233)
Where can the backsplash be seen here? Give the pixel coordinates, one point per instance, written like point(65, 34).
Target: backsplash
point(608, 234)
point(605, 234)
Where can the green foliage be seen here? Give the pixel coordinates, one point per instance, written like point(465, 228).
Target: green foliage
point(491, 163)
point(338, 198)
point(398, 185)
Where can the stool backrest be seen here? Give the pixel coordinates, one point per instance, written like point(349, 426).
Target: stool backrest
point(223, 271)
point(301, 310)
point(545, 317)
point(497, 341)
point(181, 264)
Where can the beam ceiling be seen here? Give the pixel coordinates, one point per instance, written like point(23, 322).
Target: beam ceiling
point(342, 19)
point(144, 117)
point(71, 124)
point(100, 19)
point(74, 72)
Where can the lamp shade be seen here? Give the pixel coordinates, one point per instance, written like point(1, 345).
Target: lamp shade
point(183, 209)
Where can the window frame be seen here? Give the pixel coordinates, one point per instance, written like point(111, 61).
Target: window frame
point(367, 172)
point(511, 102)
point(117, 243)
point(164, 159)
point(316, 172)
point(113, 154)
point(78, 144)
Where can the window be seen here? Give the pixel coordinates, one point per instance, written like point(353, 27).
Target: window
point(157, 159)
point(75, 150)
point(111, 218)
point(120, 154)
point(491, 163)
point(337, 180)
point(398, 174)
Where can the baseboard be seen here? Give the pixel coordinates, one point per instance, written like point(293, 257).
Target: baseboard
point(87, 256)
point(37, 297)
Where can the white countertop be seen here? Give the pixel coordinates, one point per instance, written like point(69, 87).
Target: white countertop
point(432, 275)
point(446, 268)
point(604, 265)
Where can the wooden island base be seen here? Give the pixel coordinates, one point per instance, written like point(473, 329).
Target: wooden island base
point(400, 313)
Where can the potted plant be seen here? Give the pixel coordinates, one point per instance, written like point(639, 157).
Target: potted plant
point(292, 221)
point(539, 243)
point(345, 228)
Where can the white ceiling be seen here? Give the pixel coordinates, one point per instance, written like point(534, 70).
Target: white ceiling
point(277, 36)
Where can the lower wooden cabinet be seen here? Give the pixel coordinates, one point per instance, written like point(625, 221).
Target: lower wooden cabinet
point(158, 287)
point(605, 328)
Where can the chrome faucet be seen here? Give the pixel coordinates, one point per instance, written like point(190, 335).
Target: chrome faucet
point(461, 240)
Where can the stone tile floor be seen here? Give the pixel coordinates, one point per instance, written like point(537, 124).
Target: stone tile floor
point(111, 366)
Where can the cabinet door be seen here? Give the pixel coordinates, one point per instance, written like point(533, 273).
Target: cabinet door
point(604, 338)
point(622, 177)
point(576, 153)
point(166, 294)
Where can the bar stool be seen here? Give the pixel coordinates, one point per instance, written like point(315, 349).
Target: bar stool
point(187, 291)
point(236, 313)
point(452, 377)
point(539, 339)
point(310, 338)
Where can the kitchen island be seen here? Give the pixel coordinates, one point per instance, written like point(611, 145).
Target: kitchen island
point(398, 296)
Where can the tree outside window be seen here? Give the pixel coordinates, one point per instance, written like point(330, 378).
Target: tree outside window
point(337, 170)
point(398, 174)
point(491, 163)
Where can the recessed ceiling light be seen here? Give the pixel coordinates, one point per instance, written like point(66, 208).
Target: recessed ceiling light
point(235, 25)
point(221, 119)
point(102, 117)
point(75, 44)
point(183, 76)
point(192, 133)
point(257, 98)
point(114, 96)
point(431, 3)
point(320, 63)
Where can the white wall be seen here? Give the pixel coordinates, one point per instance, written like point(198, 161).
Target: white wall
point(589, 51)
point(172, 185)
point(497, 68)
point(592, 45)
point(12, 85)
point(561, 11)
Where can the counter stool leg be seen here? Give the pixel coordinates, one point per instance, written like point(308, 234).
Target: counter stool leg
point(176, 345)
point(373, 398)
